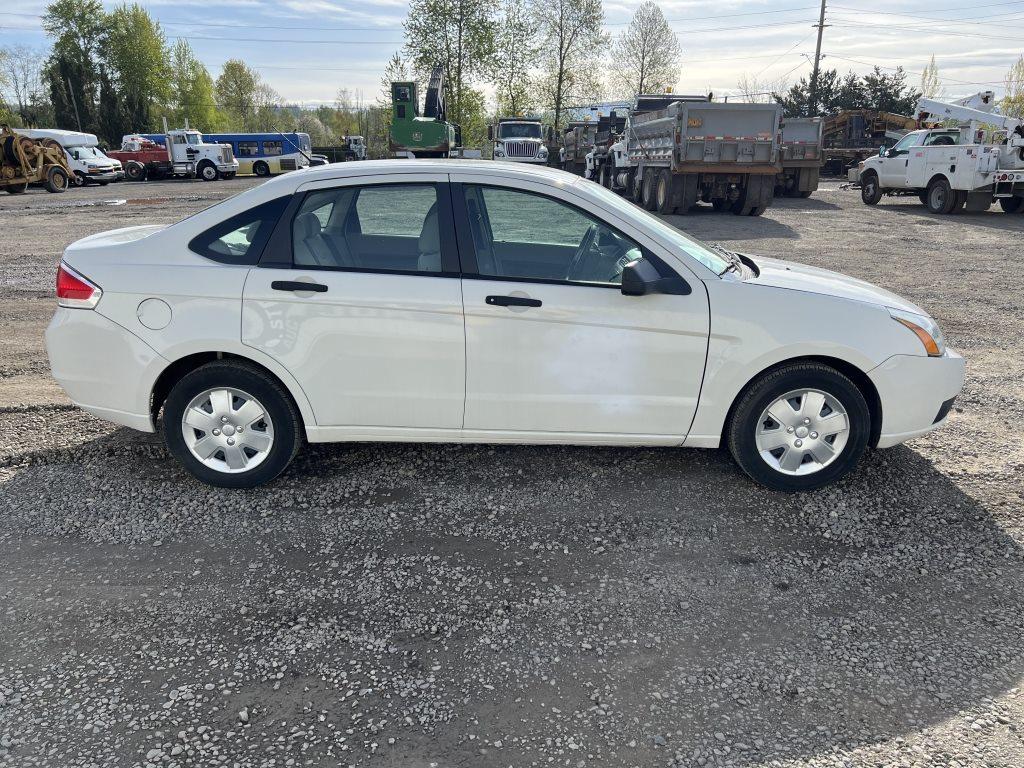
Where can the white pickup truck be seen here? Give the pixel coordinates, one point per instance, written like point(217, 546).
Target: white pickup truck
point(972, 166)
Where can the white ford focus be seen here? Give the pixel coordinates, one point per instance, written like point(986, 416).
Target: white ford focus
point(475, 302)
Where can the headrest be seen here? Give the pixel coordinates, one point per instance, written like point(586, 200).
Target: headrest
point(430, 235)
point(307, 225)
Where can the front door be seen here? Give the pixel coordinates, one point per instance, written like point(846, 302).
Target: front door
point(376, 340)
point(553, 348)
point(893, 173)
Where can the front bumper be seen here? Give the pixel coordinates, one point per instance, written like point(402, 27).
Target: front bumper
point(104, 368)
point(227, 167)
point(104, 176)
point(916, 394)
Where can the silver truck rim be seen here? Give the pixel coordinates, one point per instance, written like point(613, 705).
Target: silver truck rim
point(209, 172)
point(228, 430)
point(938, 196)
point(802, 432)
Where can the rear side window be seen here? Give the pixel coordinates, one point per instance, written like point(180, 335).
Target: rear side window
point(240, 239)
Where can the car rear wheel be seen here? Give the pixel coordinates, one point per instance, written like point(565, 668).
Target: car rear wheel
point(799, 427)
point(941, 197)
point(231, 425)
point(1012, 204)
point(260, 168)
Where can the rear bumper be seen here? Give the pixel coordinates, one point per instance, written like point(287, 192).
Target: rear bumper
point(916, 394)
point(104, 368)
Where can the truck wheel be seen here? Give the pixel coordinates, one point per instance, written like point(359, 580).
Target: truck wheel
point(648, 194)
point(1008, 204)
point(806, 193)
point(79, 180)
point(959, 200)
point(663, 192)
point(941, 197)
point(260, 168)
point(720, 204)
point(636, 185)
point(135, 172)
point(870, 189)
point(208, 172)
point(56, 179)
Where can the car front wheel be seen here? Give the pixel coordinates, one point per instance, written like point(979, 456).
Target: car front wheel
point(231, 425)
point(870, 189)
point(799, 427)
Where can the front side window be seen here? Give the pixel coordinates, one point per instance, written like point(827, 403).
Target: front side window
point(248, 149)
point(521, 235)
point(908, 141)
point(240, 239)
point(386, 227)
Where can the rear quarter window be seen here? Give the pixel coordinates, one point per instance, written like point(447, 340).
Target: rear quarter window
point(240, 239)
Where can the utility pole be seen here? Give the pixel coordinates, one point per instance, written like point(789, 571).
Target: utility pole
point(812, 106)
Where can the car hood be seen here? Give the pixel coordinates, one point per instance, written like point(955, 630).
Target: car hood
point(799, 277)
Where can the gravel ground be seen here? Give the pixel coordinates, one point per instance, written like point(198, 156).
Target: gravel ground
point(417, 605)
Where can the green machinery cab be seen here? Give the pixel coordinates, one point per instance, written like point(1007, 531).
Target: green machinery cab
point(426, 135)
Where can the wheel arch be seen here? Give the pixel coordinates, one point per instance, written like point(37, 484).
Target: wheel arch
point(848, 369)
point(935, 177)
point(184, 365)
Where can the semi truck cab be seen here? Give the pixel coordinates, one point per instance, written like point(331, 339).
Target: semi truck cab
point(518, 140)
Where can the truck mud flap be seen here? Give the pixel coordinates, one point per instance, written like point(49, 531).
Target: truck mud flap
point(757, 195)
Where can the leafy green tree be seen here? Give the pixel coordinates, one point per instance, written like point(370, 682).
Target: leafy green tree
point(456, 34)
point(645, 57)
point(876, 90)
point(571, 41)
point(136, 57)
point(192, 96)
point(890, 92)
point(931, 86)
point(1013, 102)
point(245, 100)
point(72, 72)
point(515, 50)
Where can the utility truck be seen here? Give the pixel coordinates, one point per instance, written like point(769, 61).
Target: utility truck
point(679, 150)
point(800, 155)
point(428, 134)
point(518, 140)
point(88, 163)
point(181, 153)
point(972, 165)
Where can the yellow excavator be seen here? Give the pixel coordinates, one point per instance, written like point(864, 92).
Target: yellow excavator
point(25, 161)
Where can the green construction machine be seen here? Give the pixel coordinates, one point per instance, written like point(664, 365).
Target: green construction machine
point(426, 135)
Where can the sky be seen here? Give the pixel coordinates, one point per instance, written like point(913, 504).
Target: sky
point(310, 49)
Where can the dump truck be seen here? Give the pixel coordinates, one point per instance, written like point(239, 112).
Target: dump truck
point(24, 161)
point(180, 153)
point(853, 135)
point(974, 164)
point(800, 155)
point(518, 140)
point(422, 135)
point(576, 141)
point(680, 150)
point(601, 159)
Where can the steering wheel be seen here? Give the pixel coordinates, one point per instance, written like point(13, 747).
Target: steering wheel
point(589, 237)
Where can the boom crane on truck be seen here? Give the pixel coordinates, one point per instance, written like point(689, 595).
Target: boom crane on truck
point(976, 163)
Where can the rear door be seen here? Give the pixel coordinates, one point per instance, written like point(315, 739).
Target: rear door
point(377, 339)
point(554, 349)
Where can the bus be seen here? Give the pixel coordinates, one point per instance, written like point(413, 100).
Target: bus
point(263, 154)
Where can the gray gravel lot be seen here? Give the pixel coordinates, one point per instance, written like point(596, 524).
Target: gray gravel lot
point(418, 605)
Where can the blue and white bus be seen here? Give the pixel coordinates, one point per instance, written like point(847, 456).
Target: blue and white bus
point(263, 154)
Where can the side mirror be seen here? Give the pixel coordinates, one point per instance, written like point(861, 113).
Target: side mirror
point(641, 276)
point(882, 151)
point(490, 133)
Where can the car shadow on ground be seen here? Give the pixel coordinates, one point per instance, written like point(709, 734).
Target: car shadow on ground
point(993, 218)
point(638, 603)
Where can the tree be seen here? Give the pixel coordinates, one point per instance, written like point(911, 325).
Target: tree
point(456, 34)
point(931, 86)
point(72, 73)
point(889, 92)
point(875, 90)
point(136, 57)
point(191, 87)
point(246, 101)
point(755, 90)
point(1013, 102)
point(645, 58)
point(515, 50)
point(571, 41)
point(21, 76)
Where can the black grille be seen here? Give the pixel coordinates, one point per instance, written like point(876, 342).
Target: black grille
point(944, 410)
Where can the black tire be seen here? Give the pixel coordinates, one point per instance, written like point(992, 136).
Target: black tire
point(940, 197)
point(103, 183)
point(663, 198)
point(135, 172)
point(287, 423)
point(720, 204)
point(870, 188)
point(806, 193)
point(79, 180)
point(56, 179)
point(760, 394)
point(959, 200)
point(17, 189)
point(1012, 204)
point(757, 210)
point(208, 171)
point(923, 196)
point(260, 168)
point(636, 185)
point(648, 196)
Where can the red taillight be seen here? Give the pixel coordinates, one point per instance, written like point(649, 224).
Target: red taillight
point(75, 290)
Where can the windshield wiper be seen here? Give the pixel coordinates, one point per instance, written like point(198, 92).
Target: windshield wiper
point(735, 262)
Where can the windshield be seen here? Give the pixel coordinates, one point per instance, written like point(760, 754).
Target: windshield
point(193, 138)
point(519, 131)
point(86, 152)
point(713, 260)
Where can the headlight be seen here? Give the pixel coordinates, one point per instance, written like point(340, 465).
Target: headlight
point(499, 152)
point(926, 330)
point(543, 153)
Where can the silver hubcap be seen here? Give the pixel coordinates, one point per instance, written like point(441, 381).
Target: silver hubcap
point(228, 430)
point(802, 432)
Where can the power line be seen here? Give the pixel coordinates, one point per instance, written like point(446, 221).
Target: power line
point(902, 28)
point(912, 72)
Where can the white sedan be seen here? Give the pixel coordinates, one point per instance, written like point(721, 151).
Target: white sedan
point(462, 301)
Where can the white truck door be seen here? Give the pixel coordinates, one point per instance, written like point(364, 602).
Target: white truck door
point(893, 171)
